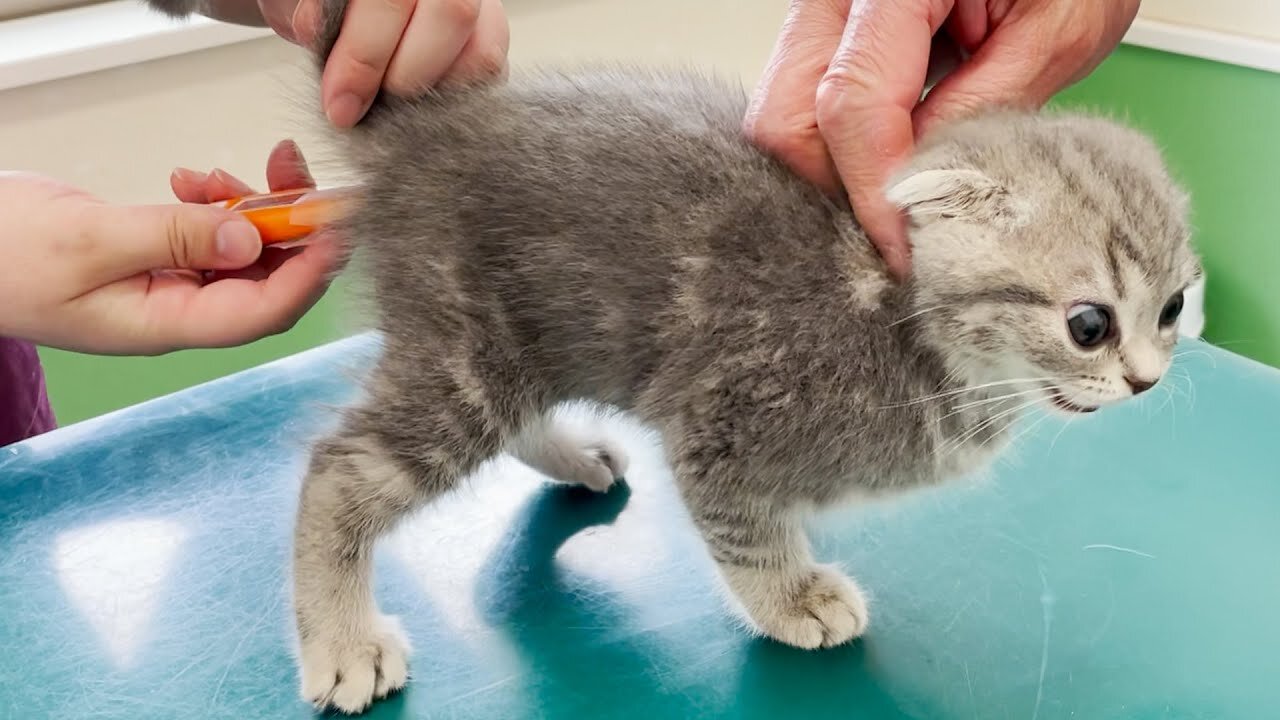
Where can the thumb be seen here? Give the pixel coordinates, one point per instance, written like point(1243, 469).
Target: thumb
point(134, 239)
point(1008, 71)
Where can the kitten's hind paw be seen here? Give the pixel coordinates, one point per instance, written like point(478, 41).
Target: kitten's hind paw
point(595, 464)
point(604, 464)
point(348, 674)
point(823, 609)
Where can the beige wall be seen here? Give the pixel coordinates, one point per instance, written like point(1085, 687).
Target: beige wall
point(119, 132)
point(1257, 18)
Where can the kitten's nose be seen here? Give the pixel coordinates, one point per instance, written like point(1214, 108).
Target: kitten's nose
point(1138, 385)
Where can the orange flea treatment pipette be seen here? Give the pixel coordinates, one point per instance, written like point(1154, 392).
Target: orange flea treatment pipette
point(289, 215)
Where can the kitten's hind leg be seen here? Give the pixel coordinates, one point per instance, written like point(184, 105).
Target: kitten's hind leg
point(386, 461)
point(763, 556)
point(568, 454)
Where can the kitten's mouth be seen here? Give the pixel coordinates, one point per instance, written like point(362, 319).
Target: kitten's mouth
point(1057, 399)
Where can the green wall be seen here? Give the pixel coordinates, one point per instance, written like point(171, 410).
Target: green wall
point(83, 386)
point(1218, 124)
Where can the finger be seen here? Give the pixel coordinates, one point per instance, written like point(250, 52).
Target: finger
point(287, 168)
point(127, 240)
point(270, 261)
point(484, 55)
point(781, 119)
point(436, 34)
point(189, 185)
point(998, 75)
point(223, 186)
point(197, 187)
point(306, 22)
point(236, 311)
point(969, 23)
point(278, 15)
point(371, 30)
point(1023, 63)
point(864, 108)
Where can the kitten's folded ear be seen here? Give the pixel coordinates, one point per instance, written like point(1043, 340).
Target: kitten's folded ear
point(943, 194)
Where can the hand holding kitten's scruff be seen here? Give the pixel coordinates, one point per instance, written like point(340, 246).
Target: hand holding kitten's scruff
point(81, 273)
point(401, 46)
point(87, 281)
point(840, 101)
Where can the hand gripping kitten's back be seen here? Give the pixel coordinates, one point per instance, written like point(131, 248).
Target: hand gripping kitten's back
point(607, 234)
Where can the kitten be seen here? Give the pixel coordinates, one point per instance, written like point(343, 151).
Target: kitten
point(609, 235)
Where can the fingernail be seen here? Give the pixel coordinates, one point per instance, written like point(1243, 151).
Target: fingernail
point(238, 242)
point(297, 157)
point(345, 110)
point(303, 22)
point(229, 182)
point(190, 176)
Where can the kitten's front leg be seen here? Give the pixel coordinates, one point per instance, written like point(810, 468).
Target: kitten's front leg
point(763, 556)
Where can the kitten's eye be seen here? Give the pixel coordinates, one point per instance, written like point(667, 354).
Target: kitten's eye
point(1090, 325)
point(1172, 309)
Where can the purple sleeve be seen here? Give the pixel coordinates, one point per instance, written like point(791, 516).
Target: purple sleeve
point(24, 404)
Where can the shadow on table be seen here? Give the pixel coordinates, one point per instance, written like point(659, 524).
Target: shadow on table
point(572, 632)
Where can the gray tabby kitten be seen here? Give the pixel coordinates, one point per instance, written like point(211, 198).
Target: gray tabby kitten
point(609, 235)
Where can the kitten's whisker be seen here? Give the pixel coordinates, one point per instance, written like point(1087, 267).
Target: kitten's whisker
point(957, 443)
point(998, 398)
point(958, 391)
point(971, 433)
point(1168, 398)
point(916, 314)
point(1191, 388)
point(958, 409)
point(1030, 428)
point(988, 422)
point(1183, 353)
point(1061, 430)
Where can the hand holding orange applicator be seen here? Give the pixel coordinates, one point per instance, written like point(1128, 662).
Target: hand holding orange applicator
point(288, 215)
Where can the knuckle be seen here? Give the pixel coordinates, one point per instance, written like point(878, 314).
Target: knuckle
point(176, 240)
point(399, 8)
point(364, 63)
point(835, 97)
point(770, 135)
point(463, 13)
point(491, 63)
point(282, 325)
point(1080, 42)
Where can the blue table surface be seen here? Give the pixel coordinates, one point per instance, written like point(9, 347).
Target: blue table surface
point(1122, 565)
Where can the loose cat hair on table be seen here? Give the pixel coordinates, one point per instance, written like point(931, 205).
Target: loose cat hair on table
point(609, 235)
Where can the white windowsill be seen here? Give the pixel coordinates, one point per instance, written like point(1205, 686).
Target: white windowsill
point(107, 35)
point(1228, 48)
point(82, 40)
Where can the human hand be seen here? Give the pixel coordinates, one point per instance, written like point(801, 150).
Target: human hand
point(79, 274)
point(840, 101)
point(402, 46)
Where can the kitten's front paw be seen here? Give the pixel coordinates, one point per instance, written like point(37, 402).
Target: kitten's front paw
point(823, 609)
point(350, 673)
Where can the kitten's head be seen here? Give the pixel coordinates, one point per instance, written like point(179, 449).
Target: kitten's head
point(1048, 251)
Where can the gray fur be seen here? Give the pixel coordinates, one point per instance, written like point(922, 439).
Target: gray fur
point(608, 235)
point(178, 8)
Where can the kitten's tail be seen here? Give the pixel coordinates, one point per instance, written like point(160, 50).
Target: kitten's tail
point(331, 14)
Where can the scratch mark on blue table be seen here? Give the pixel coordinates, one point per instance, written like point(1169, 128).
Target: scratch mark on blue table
point(1046, 608)
point(1117, 548)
